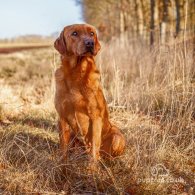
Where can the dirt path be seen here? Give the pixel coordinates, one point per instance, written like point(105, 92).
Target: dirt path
point(6, 50)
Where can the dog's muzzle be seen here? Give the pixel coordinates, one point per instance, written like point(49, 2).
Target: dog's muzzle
point(89, 44)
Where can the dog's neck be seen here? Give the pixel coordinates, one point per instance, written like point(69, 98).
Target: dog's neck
point(69, 61)
point(72, 61)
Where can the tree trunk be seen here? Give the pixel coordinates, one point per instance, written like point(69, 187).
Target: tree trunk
point(164, 21)
point(136, 17)
point(141, 18)
point(177, 27)
point(152, 5)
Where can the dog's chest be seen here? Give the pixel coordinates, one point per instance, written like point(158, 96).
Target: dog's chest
point(85, 76)
point(82, 85)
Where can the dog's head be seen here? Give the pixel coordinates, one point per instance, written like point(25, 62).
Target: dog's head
point(78, 40)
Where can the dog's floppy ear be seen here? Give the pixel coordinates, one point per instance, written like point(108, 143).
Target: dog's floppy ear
point(60, 44)
point(97, 46)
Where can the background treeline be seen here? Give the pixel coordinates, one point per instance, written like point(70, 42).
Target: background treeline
point(152, 20)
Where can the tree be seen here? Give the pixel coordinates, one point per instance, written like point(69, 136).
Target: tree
point(150, 19)
point(152, 5)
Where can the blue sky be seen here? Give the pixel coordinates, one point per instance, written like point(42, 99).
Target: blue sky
point(21, 17)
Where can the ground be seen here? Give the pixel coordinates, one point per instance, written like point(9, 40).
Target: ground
point(152, 104)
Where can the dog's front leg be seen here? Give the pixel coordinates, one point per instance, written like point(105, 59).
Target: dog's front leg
point(96, 138)
point(64, 132)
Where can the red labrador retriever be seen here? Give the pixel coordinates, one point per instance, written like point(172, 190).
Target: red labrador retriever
point(79, 98)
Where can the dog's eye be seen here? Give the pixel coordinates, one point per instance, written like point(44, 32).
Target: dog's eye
point(74, 33)
point(92, 33)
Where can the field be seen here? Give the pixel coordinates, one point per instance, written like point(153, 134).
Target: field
point(151, 97)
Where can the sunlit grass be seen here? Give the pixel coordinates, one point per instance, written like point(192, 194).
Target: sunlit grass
point(150, 94)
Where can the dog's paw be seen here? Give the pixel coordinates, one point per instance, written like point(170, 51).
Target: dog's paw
point(93, 165)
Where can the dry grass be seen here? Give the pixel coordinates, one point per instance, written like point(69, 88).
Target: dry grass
point(151, 95)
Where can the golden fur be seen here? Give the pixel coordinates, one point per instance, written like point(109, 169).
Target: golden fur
point(79, 99)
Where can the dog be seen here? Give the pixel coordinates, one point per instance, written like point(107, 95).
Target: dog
point(79, 98)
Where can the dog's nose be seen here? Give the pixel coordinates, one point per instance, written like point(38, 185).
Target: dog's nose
point(89, 44)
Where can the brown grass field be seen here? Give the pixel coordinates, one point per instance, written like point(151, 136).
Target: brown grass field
point(151, 96)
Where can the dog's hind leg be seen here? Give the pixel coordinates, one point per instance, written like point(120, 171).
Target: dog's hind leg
point(114, 144)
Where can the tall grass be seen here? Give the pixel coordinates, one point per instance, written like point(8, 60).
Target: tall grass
point(151, 96)
point(152, 79)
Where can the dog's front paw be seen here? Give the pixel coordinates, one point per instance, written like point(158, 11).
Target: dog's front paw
point(93, 165)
